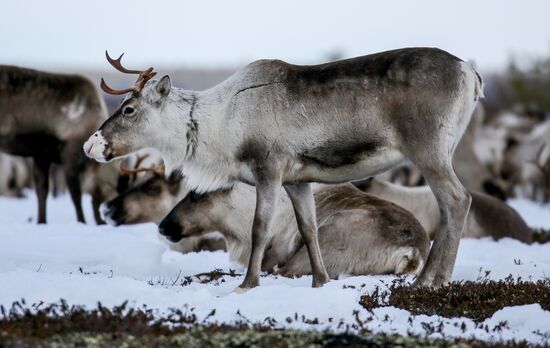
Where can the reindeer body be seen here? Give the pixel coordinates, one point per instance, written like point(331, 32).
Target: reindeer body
point(47, 117)
point(358, 233)
point(274, 123)
point(488, 217)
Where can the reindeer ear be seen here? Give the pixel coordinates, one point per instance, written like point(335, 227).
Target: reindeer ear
point(164, 85)
point(174, 181)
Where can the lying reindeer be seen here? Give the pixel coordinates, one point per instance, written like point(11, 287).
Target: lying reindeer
point(274, 124)
point(47, 117)
point(488, 216)
point(358, 233)
point(150, 201)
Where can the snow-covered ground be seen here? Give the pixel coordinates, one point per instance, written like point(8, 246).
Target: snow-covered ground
point(87, 264)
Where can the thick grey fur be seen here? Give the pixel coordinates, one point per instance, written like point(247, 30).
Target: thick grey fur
point(273, 123)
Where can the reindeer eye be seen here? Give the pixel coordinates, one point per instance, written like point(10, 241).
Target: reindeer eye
point(128, 110)
point(153, 190)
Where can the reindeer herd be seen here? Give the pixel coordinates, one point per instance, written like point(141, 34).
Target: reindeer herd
point(261, 164)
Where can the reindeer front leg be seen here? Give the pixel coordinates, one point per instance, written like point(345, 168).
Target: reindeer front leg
point(41, 174)
point(304, 209)
point(267, 196)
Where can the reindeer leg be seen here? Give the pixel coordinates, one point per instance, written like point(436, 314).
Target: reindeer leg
point(267, 195)
point(96, 202)
point(41, 174)
point(72, 176)
point(304, 209)
point(454, 204)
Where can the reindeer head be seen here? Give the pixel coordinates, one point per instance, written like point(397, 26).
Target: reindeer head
point(148, 201)
point(138, 122)
point(196, 215)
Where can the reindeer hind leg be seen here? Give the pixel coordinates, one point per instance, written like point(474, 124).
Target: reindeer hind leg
point(454, 203)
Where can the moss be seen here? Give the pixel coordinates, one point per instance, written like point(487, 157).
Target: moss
point(60, 325)
point(202, 337)
point(475, 300)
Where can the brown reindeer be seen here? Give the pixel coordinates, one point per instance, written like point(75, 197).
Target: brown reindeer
point(488, 216)
point(47, 117)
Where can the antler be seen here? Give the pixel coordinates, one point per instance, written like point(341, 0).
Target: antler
point(144, 76)
point(156, 170)
point(538, 161)
point(109, 90)
point(117, 64)
point(140, 159)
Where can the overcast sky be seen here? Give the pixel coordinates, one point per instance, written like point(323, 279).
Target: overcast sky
point(67, 34)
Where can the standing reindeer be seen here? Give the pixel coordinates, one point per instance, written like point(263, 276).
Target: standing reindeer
point(273, 123)
point(47, 117)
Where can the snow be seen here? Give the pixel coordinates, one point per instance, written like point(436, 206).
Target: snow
point(537, 215)
point(87, 264)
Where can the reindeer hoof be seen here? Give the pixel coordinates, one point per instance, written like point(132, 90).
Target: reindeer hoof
point(320, 281)
point(430, 282)
point(240, 290)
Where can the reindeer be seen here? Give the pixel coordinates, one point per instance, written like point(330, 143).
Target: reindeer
point(151, 200)
point(274, 124)
point(488, 216)
point(148, 201)
point(543, 165)
point(47, 117)
point(358, 233)
point(474, 175)
point(526, 162)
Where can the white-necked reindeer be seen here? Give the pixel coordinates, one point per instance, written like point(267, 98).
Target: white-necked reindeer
point(273, 123)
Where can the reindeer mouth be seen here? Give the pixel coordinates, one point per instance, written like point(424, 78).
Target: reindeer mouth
point(89, 150)
point(111, 215)
point(170, 230)
point(96, 147)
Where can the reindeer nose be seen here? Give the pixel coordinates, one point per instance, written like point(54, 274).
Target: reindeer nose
point(171, 230)
point(89, 149)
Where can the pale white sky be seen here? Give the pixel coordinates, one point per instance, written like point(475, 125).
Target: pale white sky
point(65, 34)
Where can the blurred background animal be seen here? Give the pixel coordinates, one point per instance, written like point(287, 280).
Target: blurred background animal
point(505, 154)
point(488, 216)
point(47, 117)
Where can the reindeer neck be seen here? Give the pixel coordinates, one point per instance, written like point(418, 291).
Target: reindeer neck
point(239, 214)
point(204, 146)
